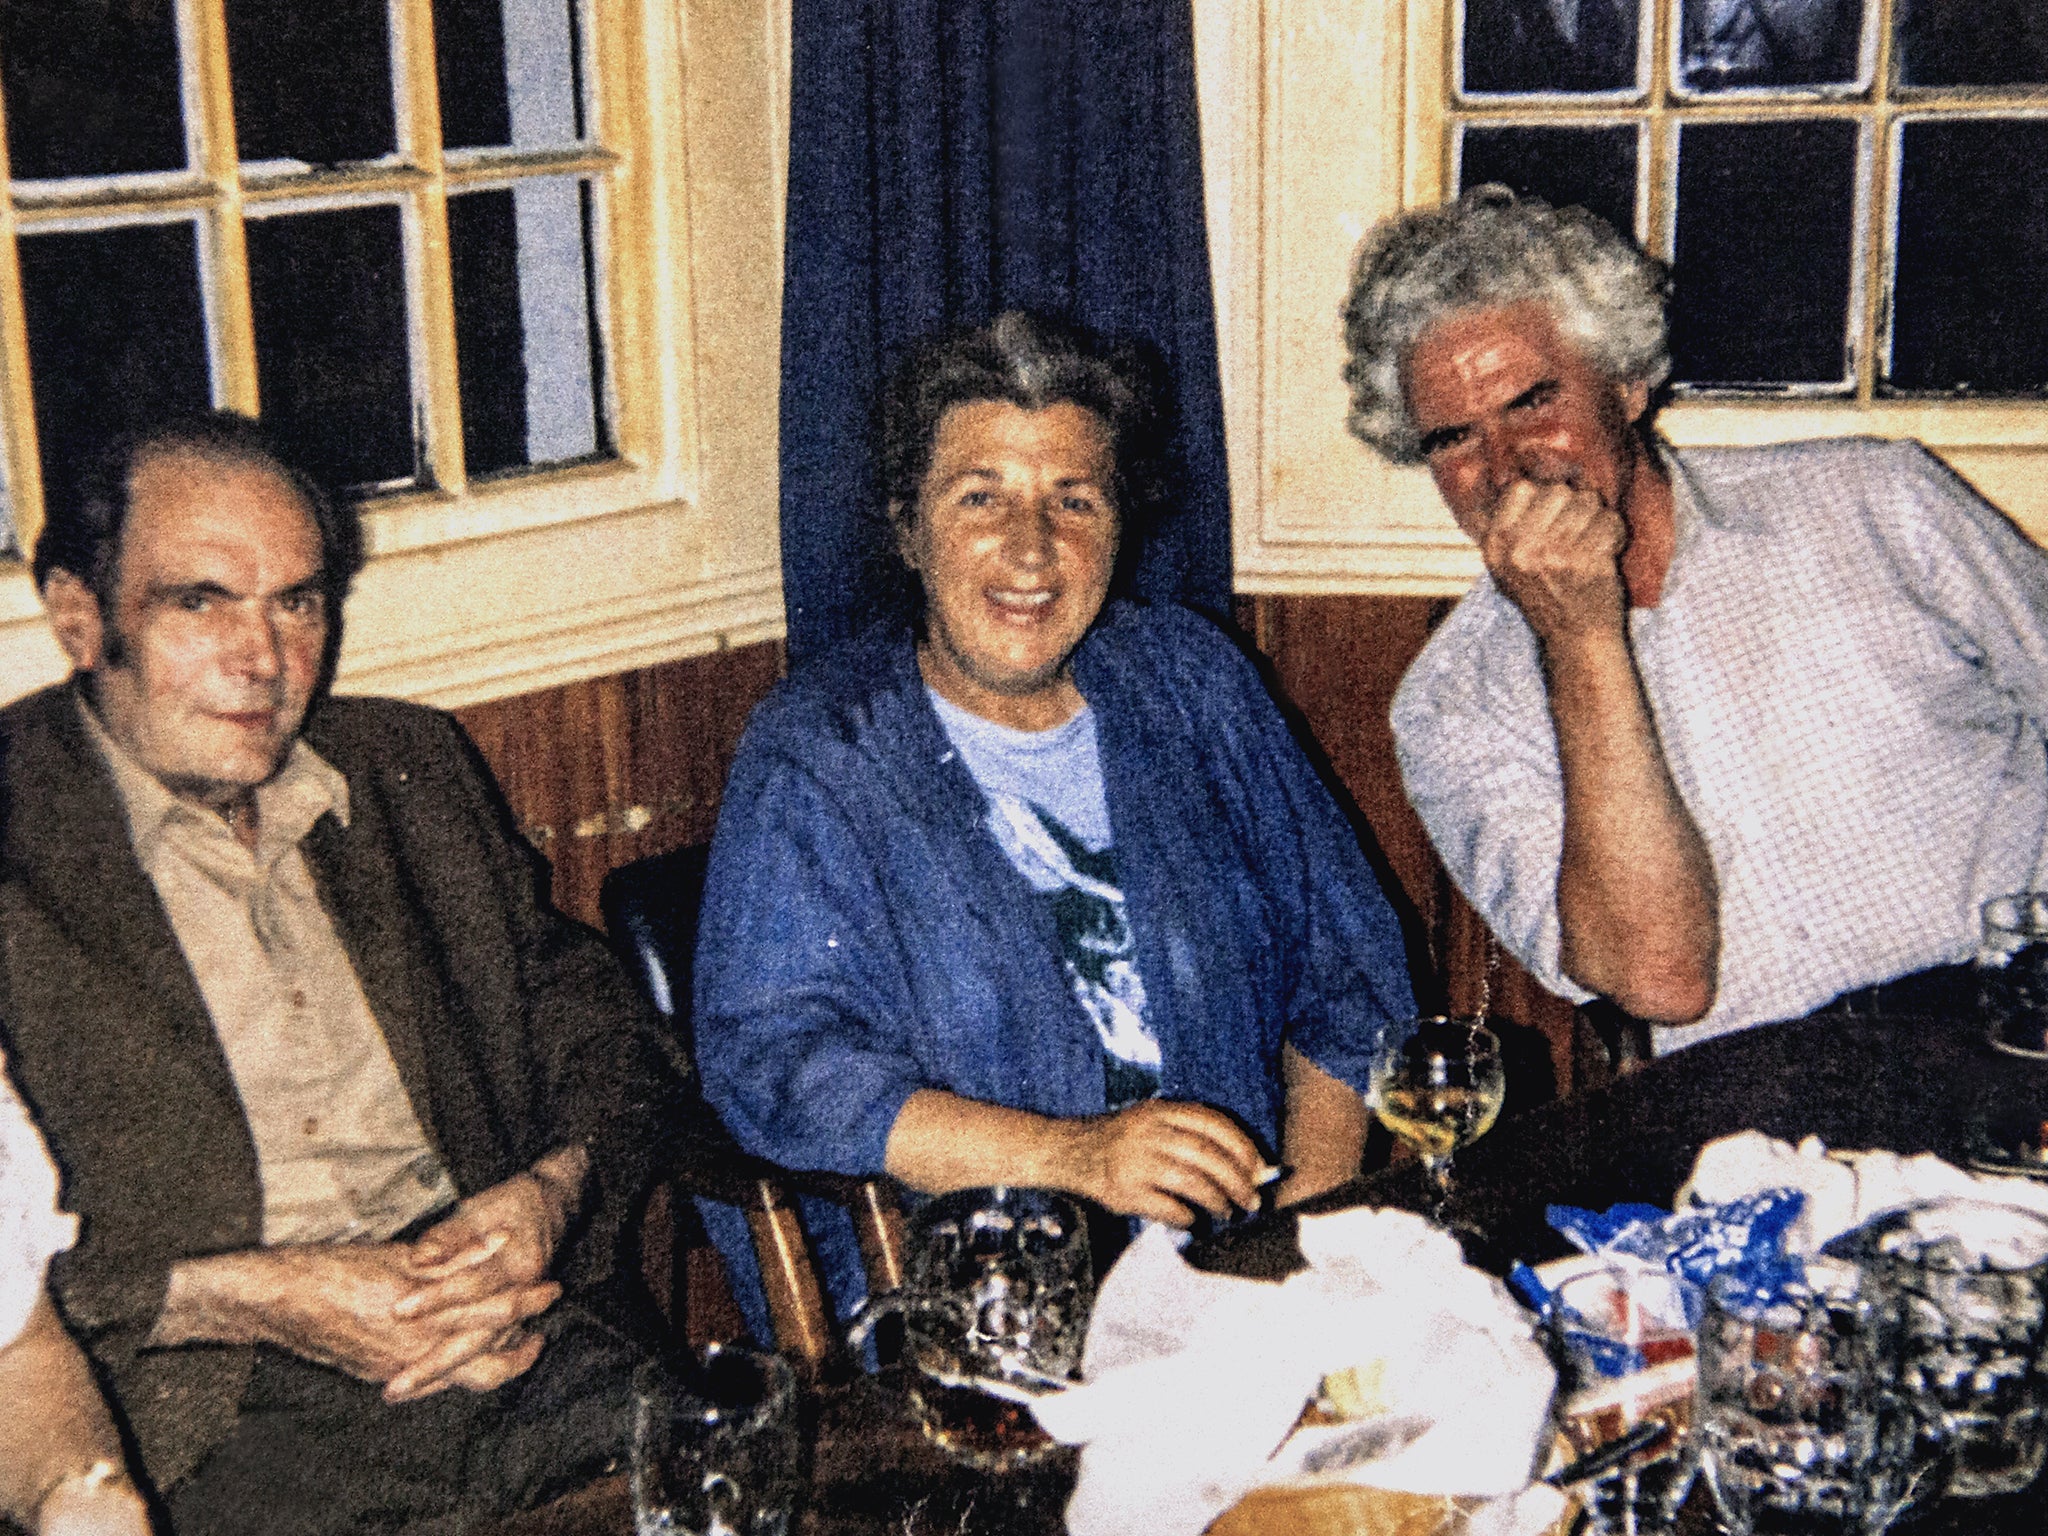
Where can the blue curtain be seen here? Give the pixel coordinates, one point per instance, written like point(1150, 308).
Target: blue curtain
point(950, 159)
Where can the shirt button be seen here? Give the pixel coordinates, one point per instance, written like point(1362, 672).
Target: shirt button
point(298, 997)
point(312, 1125)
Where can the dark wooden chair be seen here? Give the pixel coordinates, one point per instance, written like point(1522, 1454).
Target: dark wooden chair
point(650, 909)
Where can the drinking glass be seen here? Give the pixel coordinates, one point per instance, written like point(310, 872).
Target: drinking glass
point(2012, 972)
point(1438, 1085)
point(998, 1287)
point(718, 1453)
point(1623, 1339)
point(1971, 1285)
point(1797, 1426)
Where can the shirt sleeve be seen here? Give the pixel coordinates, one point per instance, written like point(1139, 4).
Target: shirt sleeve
point(803, 1016)
point(32, 1228)
point(1478, 760)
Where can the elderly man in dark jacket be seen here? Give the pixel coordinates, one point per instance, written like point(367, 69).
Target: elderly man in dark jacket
point(343, 1102)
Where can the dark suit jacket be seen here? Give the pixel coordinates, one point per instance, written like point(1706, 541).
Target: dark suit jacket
point(513, 1029)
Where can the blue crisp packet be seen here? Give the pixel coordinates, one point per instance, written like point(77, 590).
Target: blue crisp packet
point(1746, 1236)
point(1597, 1231)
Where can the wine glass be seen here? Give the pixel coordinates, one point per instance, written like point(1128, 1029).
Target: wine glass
point(1438, 1085)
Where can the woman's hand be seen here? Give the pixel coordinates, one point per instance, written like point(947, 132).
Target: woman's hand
point(1161, 1159)
point(1165, 1161)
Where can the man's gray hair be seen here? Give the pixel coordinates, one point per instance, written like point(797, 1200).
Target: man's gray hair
point(1489, 249)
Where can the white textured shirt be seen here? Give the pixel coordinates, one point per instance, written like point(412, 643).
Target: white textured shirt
point(1848, 672)
point(32, 1229)
point(339, 1146)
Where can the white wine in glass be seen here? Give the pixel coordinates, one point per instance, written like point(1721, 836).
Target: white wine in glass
point(1438, 1085)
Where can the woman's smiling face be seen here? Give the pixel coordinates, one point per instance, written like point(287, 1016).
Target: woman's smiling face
point(1014, 537)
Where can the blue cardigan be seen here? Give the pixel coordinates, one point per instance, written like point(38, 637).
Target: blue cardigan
point(864, 936)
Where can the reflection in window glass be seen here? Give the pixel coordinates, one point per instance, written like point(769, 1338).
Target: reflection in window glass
point(1769, 43)
point(332, 364)
point(525, 342)
point(1970, 297)
point(312, 82)
point(1763, 207)
point(1971, 42)
point(1520, 46)
point(115, 336)
point(91, 87)
point(507, 70)
point(1590, 168)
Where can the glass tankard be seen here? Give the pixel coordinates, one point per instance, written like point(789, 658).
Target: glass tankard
point(997, 1290)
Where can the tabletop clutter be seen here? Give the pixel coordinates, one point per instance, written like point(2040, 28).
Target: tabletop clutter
point(1827, 1338)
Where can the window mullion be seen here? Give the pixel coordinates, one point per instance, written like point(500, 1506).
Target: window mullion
point(1880, 233)
point(430, 297)
point(223, 249)
point(24, 485)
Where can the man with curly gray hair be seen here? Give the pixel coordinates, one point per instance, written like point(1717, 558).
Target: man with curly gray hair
point(1721, 736)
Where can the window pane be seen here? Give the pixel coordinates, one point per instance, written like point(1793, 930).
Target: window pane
point(508, 73)
point(332, 366)
point(1594, 168)
point(91, 87)
point(524, 338)
point(1972, 42)
point(312, 82)
point(1515, 46)
point(1755, 199)
point(1970, 299)
point(1763, 43)
point(115, 335)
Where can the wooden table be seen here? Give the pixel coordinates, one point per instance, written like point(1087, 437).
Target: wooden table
point(1910, 1085)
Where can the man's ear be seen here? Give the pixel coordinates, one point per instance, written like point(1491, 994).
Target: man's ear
point(74, 613)
point(1635, 400)
point(903, 520)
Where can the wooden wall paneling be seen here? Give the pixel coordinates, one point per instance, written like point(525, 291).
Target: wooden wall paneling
point(603, 772)
point(1338, 660)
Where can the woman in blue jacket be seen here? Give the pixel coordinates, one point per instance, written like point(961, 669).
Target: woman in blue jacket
point(1041, 890)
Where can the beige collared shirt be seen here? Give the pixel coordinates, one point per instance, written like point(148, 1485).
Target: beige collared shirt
point(340, 1148)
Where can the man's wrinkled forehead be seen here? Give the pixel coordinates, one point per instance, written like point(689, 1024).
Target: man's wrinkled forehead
point(192, 478)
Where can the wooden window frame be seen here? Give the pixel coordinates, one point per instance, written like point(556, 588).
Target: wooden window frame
point(481, 588)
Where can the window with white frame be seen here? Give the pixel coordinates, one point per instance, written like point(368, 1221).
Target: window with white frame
point(379, 224)
point(1854, 193)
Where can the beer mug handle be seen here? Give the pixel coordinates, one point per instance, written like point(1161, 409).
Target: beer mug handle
point(722, 1499)
point(869, 1314)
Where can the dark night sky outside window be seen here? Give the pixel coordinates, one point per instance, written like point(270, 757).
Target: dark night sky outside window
point(328, 290)
point(1973, 258)
point(91, 87)
point(115, 335)
point(312, 82)
point(1521, 46)
point(1592, 168)
point(1972, 42)
point(1788, 189)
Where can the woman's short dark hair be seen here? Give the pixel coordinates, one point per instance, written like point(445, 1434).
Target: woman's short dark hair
point(83, 532)
point(1030, 362)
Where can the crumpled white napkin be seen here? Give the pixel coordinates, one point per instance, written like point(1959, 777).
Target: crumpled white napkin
point(1194, 1381)
point(1843, 1189)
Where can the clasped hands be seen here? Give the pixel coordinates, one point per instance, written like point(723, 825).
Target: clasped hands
point(450, 1308)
